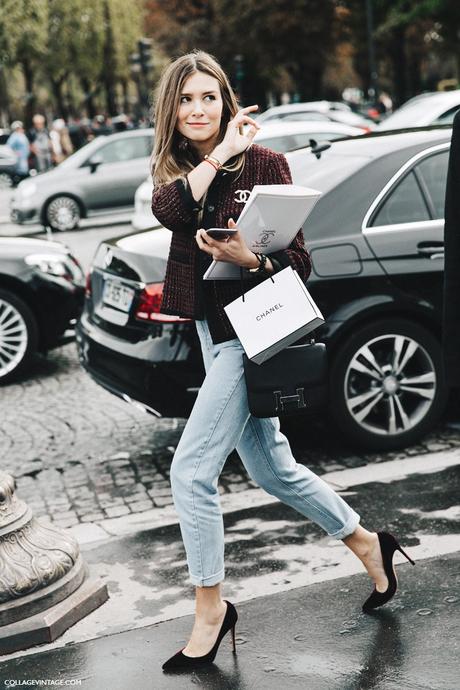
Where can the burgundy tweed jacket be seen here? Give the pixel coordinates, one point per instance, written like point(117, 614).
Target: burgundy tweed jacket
point(185, 293)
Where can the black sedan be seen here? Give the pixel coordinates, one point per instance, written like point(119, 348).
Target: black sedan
point(41, 296)
point(376, 240)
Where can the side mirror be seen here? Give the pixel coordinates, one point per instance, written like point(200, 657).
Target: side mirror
point(94, 162)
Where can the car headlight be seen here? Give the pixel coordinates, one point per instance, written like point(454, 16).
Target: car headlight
point(26, 188)
point(60, 266)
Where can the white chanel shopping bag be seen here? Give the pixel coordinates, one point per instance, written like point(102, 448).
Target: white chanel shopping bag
point(273, 315)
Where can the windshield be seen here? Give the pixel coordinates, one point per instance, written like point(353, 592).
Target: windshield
point(404, 116)
point(80, 156)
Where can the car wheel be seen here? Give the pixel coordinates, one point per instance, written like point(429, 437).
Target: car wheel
point(387, 384)
point(18, 335)
point(6, 181)
point(63, 213)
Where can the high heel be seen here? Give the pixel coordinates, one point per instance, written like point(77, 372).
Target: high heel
point(181, 661)
point(388, 545)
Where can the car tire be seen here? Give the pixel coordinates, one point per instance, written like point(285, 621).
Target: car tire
point(387, 384)
point(62, 213)
point(18, 335)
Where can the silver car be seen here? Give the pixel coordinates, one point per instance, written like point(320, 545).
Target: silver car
point(100, 178)
point(436, 108)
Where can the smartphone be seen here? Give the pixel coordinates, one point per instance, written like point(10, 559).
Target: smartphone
point(221, 233)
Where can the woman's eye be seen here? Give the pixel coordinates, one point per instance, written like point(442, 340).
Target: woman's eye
point(186, 99)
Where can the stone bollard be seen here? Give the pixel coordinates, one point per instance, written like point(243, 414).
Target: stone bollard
point(44, 583)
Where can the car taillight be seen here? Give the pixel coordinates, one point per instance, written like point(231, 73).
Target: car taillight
point(88, 284)
point(148, 308)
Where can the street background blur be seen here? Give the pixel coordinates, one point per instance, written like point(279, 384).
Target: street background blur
point(89, 62)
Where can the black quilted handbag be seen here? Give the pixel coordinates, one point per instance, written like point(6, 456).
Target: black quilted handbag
point(293, 381)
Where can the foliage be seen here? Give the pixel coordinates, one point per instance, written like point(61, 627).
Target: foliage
point(55, 41)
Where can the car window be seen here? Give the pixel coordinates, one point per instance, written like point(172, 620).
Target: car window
point(126, 149)
point(434, 172)
point(404, 205)
point(447, 118)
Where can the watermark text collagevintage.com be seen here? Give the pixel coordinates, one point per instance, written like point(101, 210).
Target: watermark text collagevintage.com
point(41, 682)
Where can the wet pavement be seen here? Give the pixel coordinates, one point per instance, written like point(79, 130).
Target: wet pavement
point(298, 593)
point(314, 637)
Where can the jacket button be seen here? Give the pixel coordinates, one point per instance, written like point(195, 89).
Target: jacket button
point(210, 208)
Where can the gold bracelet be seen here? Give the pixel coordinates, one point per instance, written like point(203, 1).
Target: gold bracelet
point(205, 160)
point(215, 161)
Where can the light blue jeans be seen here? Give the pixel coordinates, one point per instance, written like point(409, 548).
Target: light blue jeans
point(219, 422)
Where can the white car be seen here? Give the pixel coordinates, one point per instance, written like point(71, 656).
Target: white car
point(278, 136)
point(436, 108)
point(317, 110)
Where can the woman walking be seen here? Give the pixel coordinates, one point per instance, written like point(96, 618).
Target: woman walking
point(204, 169)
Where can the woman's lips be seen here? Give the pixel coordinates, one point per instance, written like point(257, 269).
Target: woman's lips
point(197, 124)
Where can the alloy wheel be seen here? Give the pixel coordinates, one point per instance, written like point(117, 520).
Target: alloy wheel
point(13, 338)
point(63, 213)
point(390, 384)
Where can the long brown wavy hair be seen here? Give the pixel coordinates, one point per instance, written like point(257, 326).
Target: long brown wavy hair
point(172, 157)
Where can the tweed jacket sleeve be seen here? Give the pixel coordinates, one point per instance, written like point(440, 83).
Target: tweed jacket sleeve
point(174, 206)
point(296, 255)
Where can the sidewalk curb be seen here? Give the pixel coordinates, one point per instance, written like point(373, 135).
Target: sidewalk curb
point(341, 481)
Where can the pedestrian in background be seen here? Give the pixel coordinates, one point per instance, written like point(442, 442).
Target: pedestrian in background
point(60, 141)
point(451, 310)
point(40, 144)
point(202, 163)
point(20, 145)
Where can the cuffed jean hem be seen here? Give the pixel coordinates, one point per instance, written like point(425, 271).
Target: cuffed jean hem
point(207, 581)
point(348, 528)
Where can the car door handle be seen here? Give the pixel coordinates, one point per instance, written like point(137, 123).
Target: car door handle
point(431, 250)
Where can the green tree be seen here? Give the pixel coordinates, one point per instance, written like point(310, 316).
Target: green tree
point(406, 33)
point(23, 39)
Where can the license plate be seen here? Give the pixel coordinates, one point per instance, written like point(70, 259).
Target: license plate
point(117, 295)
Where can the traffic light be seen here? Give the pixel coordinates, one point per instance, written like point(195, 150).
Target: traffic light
point(144, 46)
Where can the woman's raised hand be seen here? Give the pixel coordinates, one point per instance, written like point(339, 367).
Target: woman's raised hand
point(234, 142)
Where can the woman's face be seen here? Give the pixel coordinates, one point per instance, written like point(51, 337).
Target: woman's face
point(200, 110)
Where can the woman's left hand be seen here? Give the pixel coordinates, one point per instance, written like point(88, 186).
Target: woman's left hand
point(234, 249)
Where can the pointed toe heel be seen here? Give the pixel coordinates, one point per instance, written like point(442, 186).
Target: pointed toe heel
point(388, 545)
point(180, 661)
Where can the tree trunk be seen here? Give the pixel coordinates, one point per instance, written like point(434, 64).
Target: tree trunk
point(30, 95)
point(56, 86)
point(108, 73)
point(5, 113)
point(125, 90)
point(88, 98)
point(399, 61)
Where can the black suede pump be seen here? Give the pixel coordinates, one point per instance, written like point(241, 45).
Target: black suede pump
point(180, 661)
point(388, 545)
